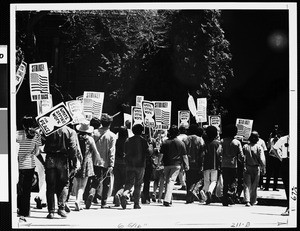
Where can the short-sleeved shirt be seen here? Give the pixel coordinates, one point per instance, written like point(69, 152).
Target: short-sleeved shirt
point(281, 147)
point(262, 143)
point(231, 151)
point(254, 154)
point(172, 150)
point(28, 148)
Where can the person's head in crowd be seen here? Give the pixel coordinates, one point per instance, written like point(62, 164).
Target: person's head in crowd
point(211, 133)
point(95, 122)
point(123, 133)
point(28, 124)
point(106, 120)
point(137, 129)
point(182, 129)
point(173, 132)
point(84, 128)
point(230, 130)
point(128, 124)
point(194, 129)
point(254, 137)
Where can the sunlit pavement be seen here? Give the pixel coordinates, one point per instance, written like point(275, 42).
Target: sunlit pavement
point(155, 215)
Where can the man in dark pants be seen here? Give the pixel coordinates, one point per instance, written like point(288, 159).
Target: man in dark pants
point(282, 148)
point(59, 147)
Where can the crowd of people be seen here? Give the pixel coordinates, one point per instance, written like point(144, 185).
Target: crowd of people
point(91, 162)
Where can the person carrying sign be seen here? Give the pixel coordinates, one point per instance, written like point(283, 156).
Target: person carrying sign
point(60, 147)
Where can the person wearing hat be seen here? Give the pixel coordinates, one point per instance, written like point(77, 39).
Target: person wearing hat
point(89, 151)
point(254, 163)
point(105, 141)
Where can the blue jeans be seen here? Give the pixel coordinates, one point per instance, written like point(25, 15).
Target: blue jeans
point(171, 173)
point(134, 177)
point(24, 191)
point(57, 180)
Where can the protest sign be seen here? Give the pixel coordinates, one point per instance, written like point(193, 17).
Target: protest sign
point(148, 113)
point(201, 114)
point(44, 105)
point(244, 127)
point(184, 118)
point(76, 110)
point(39, 81)
point(54, 119)
point(138, 100)
point(93, 104)
point(137, 115)
point(162, 111)
point(192, 105)
point(215, 120)
point(20, 75)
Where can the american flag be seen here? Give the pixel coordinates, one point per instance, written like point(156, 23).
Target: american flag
point(39, 83)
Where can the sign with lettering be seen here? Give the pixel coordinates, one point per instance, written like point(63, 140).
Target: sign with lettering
point(162, 114)
point(244, 127)
point(201, 114)
point(184, 118)
point(44, 105)
point(148, 113)
point(21, 73)
point(215, 120)
point(3, 54)
point(138, 100)
point(39, 81)
point(137, 115)
point(76, 109)
point(93, 104)
point(54, 119)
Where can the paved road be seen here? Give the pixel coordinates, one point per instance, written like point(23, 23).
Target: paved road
point(155, 215)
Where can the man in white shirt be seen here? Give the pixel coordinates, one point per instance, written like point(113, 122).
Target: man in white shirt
point(282, 148)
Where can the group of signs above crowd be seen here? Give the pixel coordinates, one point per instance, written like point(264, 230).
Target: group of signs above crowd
point(152, 114)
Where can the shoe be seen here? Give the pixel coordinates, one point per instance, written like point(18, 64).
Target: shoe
point(266, 189)
point(95, 200)
point(167, 204)
point(286, 213)
point(105, 206)
point(38, 202)
point(136, 206)
point(159, 201)
point(153, 198)
point(67, 208)
point(146, 202)
point(77, 208)
point(88, 201)
point(22, 219)
point(123, 202)
point(248, 204)
point(61, 213)
point(44, 205)
point(276, 189)
point(50, 216)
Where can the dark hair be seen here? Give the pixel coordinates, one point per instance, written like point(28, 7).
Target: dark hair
point(137, 129)
point(182, 129)
point(230, 130)
point(28, 122)
point(173, 131)
point(194, 129)
point(128, 124)
point(123, 133)
point(254, 137)
point(106, 120)
point(95, 122)
point(211, 132)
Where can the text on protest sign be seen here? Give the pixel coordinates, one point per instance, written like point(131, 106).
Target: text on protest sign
point(244, 127)
point(162, 114)
point(148, 113)
point(201, 114)
point(184, 118)
point(138, 100)
point(54, 119)
point(93, 104)
point(76, 110)
point(137, 115)
point(44, 105)
point(215, 120)
point(39, 81)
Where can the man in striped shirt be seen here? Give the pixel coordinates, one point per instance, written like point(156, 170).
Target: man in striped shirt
point(29, 141)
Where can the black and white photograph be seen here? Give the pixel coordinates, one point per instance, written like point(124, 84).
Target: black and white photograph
point(179, 115)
